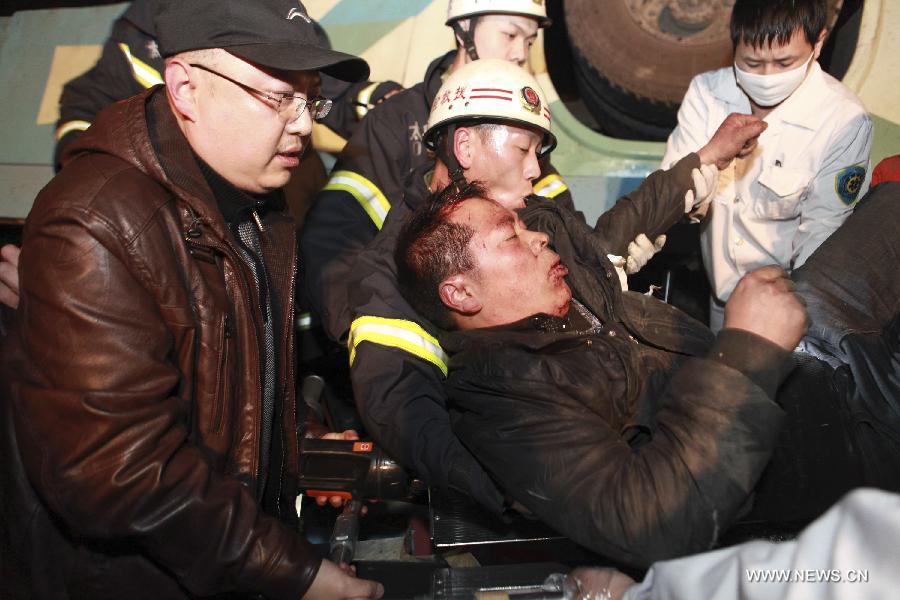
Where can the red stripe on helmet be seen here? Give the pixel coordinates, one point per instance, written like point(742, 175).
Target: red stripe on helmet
point(492, 90)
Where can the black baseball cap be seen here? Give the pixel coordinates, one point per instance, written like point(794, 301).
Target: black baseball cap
point(278, 34)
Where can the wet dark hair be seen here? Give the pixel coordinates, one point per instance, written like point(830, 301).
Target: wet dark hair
point(764, 22)
point(431, 248)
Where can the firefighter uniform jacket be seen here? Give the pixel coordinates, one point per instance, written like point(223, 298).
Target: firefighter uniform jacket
point(131, 63)
point(366, 181)
point(397, 364)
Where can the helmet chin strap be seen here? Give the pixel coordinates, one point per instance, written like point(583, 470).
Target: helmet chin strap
point(467, 36)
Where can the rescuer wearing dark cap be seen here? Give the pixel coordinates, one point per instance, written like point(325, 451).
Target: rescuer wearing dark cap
point(131, 62)
point(150, 433)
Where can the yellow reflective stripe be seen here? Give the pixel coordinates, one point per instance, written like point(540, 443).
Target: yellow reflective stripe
point(70, 126)
point(146, 75)
point(304, 321)
point(550, 186)
point(397, 333)
point(363, 99)
point(366, 193)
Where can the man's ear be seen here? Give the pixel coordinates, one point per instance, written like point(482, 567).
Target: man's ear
point(457, 294)
point(820, 41)
point(463, 146)
point(181, 88)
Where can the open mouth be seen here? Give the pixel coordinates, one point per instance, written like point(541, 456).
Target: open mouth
point(558, 270)
point(291, 158)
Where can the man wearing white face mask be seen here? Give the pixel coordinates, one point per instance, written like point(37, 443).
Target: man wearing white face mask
point(784, 198)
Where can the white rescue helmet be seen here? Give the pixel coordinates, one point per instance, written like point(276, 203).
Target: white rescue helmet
point(463, 9)
point(491, 91)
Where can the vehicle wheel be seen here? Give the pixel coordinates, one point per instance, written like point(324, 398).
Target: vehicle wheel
point(634, 59)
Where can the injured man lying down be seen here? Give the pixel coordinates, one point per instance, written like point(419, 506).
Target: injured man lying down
point(615, 418)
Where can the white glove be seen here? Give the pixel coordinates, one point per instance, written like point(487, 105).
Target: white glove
point(706, 182)
point(640, 251)
point(619, 263)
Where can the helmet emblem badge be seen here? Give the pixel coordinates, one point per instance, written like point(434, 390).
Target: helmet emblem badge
point(531, 100)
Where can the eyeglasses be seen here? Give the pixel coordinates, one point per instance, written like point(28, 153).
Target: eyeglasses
point(288, 106)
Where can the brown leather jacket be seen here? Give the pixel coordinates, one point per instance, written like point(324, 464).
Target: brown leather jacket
point(131, 418)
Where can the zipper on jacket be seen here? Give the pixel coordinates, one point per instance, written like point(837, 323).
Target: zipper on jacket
point(201, 252)
point(287, 363)
point(223, 375)
point(289, 328)
point(258, 221)
point(253, 308)
point(264, 472)
point(257, 319)
point(233, 255)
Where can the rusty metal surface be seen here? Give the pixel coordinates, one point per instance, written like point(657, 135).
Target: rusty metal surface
point(685, 22)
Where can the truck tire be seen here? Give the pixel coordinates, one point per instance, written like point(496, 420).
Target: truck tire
point(633, 59)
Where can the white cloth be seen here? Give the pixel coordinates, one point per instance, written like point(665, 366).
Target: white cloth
point(852, 551)
point(777, 205)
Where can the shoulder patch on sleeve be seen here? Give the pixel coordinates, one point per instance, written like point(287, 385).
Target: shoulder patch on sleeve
point(848, 183)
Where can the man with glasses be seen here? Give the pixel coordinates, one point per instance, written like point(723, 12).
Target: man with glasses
point(150, 429)
point(131, 62)
point(289, 107)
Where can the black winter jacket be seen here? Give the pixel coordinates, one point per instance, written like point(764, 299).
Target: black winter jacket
point(641, 441)
point(397, 363)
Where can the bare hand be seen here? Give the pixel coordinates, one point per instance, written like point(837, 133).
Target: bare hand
point(347, 434)
point(593, 582)
point(737, 136)
point(764, 303)
point(9, 275)
point(333, 582)
point(338, 501)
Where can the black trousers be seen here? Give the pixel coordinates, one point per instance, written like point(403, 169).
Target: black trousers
point(843, 400)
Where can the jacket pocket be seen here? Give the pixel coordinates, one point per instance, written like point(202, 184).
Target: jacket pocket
point(781, 193)
point(223, 376)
